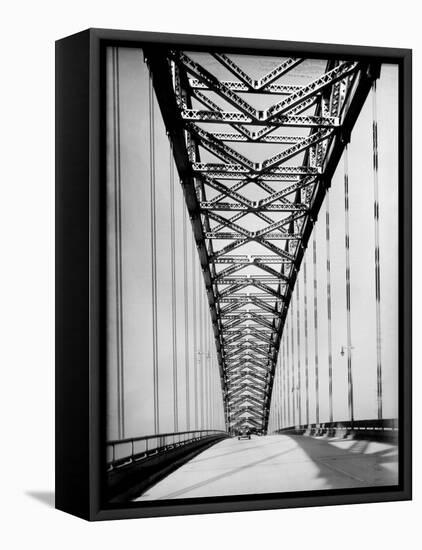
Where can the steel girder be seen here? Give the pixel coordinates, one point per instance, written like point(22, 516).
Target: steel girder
point(264, 209)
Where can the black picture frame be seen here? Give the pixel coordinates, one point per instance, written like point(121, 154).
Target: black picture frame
point(80, 272)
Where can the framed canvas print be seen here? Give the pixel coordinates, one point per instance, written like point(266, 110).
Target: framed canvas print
point(233, 274)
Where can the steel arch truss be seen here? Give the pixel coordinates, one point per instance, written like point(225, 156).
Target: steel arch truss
point(251, 217)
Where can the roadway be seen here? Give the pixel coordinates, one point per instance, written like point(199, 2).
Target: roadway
point(280, 463)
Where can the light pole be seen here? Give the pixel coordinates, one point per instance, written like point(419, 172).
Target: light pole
point(345, 348)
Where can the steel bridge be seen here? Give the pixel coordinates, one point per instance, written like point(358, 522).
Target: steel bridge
point(256, 145)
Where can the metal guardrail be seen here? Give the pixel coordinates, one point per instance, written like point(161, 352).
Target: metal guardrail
point(123, 452)
point(388, 426)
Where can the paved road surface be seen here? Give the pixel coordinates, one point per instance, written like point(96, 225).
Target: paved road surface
point(280, 463)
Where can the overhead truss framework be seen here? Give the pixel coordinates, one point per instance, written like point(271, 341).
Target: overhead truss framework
point(255, 157)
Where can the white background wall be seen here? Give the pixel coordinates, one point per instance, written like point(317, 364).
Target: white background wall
point(27, 274)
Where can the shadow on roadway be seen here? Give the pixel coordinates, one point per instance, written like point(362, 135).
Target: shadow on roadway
point(356, 461)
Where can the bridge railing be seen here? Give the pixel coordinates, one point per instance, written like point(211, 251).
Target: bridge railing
point(377, 428)
point(122, 452)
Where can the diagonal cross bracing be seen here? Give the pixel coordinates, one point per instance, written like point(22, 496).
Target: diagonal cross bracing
point(252, 217)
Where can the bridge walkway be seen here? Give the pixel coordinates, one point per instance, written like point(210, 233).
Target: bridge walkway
point(280, 463)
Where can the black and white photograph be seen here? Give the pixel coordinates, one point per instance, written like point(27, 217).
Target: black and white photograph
point(210, 245)
point(252, 273)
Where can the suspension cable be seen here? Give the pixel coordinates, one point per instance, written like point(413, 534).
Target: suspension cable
point(195, 339)
point(213, 367)
point(316, 328)
point(274, 405)
point(206, 365)
point(173, 296)
point(118, 245)
point(299, 399)
point(185, 295)
point(276, 410)
point(153, 258)
point(288, 371)
point(330, 346)
point(210, 371)
point(209, 363)
point(285, 390)
point(292, 329)
point(348, 312)
point(200, 353)
point(377, 249)
point(305, 307)
point(280, 391)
